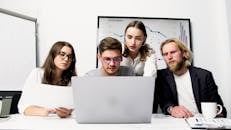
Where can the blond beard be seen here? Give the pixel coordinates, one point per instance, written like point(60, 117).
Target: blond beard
point(176, 66)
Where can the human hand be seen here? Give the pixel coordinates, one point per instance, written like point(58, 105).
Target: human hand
point(45, 111)
point(181, 112)
point(63, 112)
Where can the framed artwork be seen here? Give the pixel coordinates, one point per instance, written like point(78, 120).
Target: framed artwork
point(158, 30)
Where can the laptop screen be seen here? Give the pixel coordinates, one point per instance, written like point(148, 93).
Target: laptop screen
point(113, 99)
point(5, 105)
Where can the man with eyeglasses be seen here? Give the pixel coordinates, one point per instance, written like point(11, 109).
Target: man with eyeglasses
point(110, 56)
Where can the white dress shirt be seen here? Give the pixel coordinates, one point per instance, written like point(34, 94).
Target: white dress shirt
point(142, 68)
point(44, 95)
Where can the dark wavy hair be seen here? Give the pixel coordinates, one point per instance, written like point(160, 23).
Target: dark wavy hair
point(144, 50)
point(50, 68)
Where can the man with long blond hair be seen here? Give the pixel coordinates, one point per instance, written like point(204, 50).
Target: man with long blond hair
point(182, 87)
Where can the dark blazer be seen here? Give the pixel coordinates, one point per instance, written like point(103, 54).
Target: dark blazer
point(203, 84)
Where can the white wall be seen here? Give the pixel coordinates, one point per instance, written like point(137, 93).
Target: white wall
point(228, 14)
point(76, 22)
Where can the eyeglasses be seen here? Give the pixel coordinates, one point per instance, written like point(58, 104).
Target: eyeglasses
point(63, 56)
point(114, 59)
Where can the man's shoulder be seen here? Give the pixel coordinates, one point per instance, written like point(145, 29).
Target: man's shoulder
point(126, 71)
point(198, 69)
point(192, 69)
point(94, 72)
point(163, 71)
point(125, 67)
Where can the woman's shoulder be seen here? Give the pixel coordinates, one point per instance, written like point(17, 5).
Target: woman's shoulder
point(37, 70)
point(151, 56)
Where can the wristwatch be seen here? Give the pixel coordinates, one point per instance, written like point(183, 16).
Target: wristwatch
point(169, 109)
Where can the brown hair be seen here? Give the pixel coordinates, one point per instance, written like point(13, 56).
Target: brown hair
point(109, 43)
point(49, 65)
point(144, 49)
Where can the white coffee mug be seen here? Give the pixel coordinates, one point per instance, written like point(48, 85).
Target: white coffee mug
point(210, 109)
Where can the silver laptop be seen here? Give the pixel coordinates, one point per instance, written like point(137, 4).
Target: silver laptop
point(113, 99)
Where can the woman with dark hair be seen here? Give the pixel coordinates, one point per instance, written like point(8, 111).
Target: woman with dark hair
point(56, 71)
point(137, 54)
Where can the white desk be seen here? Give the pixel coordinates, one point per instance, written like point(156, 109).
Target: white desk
point(159, 122)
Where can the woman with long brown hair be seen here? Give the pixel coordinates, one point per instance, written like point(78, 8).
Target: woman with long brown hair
point(56, 71)
point(137, 53)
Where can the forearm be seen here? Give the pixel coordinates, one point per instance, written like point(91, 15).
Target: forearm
point(37, 111)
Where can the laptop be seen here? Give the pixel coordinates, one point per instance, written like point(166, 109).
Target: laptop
point(113, 99)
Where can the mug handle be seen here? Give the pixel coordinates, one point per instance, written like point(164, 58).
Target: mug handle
point(220, 109)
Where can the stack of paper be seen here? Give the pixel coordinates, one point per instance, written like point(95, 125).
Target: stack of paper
point(200, 122)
